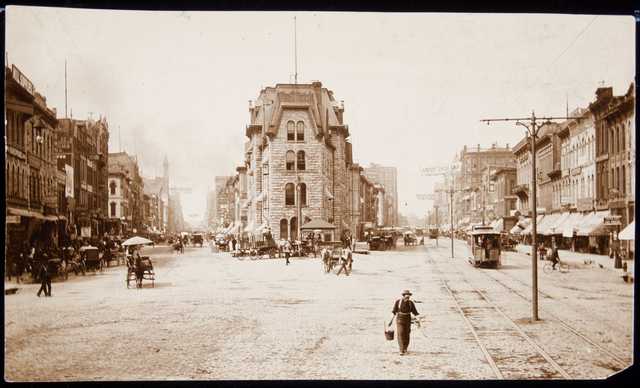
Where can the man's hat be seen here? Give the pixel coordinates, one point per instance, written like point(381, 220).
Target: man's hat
point(406, 292)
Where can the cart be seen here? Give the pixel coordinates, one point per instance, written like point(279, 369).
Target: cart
point(146, 267)
point(331, 254)
point(91, 258)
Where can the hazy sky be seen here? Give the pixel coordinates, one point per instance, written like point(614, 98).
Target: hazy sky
point(414, 85)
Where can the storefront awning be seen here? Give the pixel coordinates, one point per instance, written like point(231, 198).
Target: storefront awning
point(527, 230)
point(552, 226)
point(571, 224)
point(629, 232)
point(593, 224)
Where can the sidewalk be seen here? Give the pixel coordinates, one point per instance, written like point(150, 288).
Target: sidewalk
point(578, 259)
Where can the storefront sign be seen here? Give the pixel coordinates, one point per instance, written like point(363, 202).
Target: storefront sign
point(612, 220)
point(22, 79)
point(584, 204)
point(68, 183)
point(85, 232)
point(13, 219)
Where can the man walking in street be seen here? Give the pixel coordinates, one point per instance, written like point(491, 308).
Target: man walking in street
point(555, 257)
point(402, 310)
point(45, 278)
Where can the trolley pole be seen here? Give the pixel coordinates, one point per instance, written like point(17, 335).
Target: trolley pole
point(533, 127)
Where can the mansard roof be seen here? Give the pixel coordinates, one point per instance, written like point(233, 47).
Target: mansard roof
point(317, 101)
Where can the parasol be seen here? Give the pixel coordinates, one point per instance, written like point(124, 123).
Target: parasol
point(137, 240)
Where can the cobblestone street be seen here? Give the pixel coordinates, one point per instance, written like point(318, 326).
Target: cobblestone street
point(211, 316)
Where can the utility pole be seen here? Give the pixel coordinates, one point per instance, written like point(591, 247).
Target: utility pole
point(533, 128)
point(437, 224)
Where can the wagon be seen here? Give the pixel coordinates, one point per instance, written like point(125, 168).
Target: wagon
point(146, 266)
point(331, 256)
point(91, 258)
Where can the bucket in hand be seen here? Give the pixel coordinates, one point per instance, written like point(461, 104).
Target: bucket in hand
point(388, 333)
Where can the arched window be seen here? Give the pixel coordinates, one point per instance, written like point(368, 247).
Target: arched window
point(291, 134)
point(294, 228)
point(113, 209)
point(112, 187)
point(290, 160)
point(289, 194)
point(284, 229)
point(300, 131)
point(301, 163)
point(623, 188)
point(303, 194)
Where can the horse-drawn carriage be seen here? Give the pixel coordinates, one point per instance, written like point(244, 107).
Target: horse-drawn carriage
point(90, 256)
point(410, 239)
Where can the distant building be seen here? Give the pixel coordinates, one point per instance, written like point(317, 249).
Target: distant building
point(388, 178)
point(576, 188)
point(475, 165)
point(126, 192)
point(503, 200)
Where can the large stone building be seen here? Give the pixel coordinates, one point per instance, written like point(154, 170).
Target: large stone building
point(32, 182)
point(125, 194)
point(388, 178)
point(296, 160)
point(82, 151)
point(298, 167)
point(224, 202)
point(614, 126)
point(576, 188)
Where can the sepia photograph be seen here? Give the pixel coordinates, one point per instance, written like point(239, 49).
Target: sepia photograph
point(312, 195)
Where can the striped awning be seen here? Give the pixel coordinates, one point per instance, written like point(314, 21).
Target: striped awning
point(629, 232)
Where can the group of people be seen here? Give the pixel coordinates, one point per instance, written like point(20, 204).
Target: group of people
point(551, 255)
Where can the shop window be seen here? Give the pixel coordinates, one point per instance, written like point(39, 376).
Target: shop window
point(301, 161)
point(284, 229)
point(300, 131)
point(290, 160)
point(289, 194)
point(291, 135)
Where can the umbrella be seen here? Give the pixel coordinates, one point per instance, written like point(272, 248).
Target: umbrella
point(137, 241)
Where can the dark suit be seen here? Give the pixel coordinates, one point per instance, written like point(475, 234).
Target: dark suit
point(402, 310)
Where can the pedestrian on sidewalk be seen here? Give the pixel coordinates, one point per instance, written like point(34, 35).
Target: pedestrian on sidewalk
point(402, 310)
point(555, 257)
point(287, 251)
point(45, 278)
point(542, 252)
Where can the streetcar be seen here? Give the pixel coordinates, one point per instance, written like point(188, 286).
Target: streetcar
point(485, 245)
